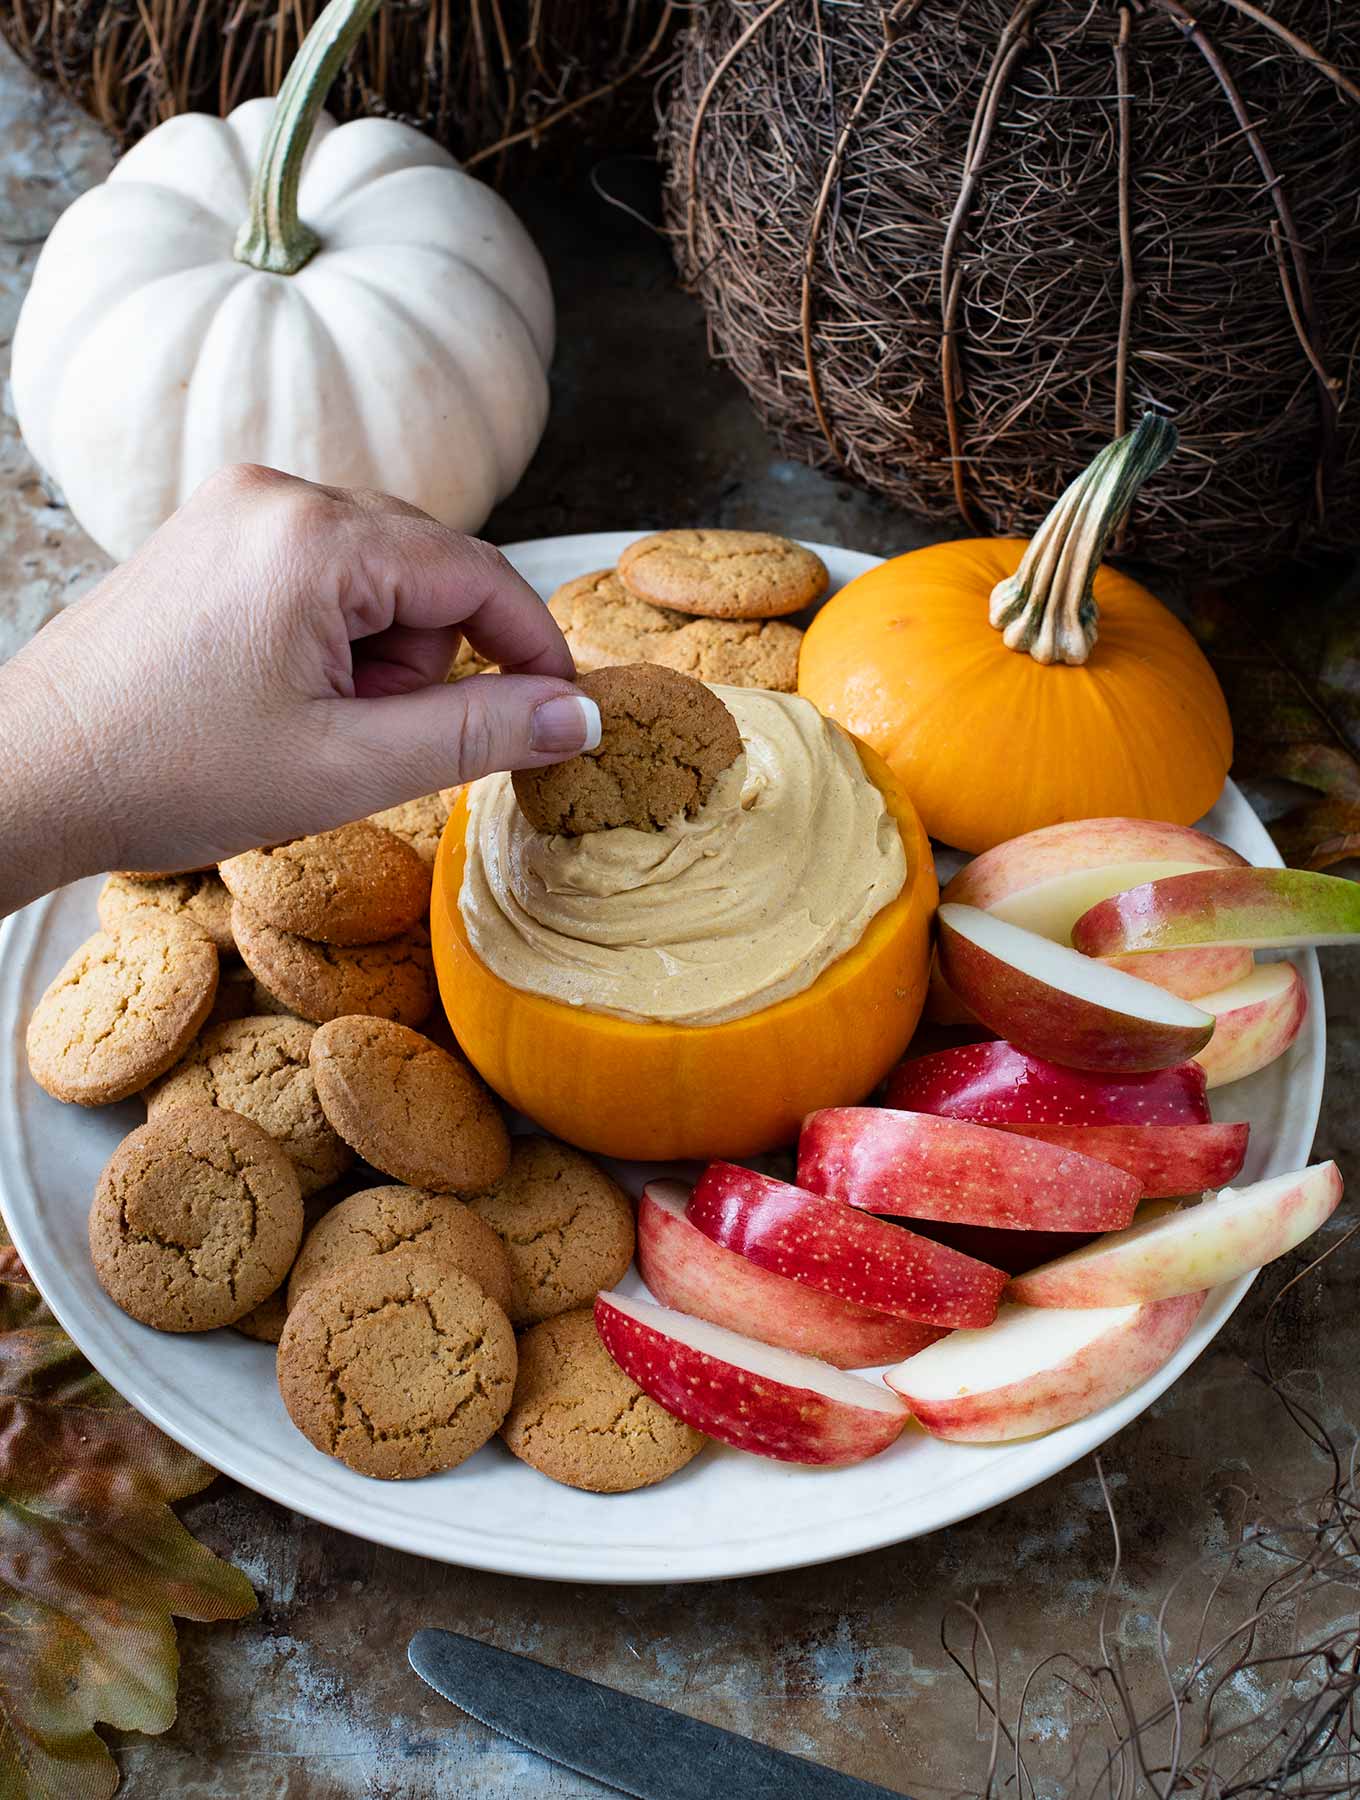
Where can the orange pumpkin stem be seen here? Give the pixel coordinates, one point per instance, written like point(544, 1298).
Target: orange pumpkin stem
point(1048, 608)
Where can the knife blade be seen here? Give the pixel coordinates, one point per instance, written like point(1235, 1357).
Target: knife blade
point(632, 1745)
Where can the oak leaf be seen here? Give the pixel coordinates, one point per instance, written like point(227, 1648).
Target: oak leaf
point(93, 1563)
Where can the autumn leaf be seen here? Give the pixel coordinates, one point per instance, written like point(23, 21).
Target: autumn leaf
point(93, 1563)
point(1288, 657)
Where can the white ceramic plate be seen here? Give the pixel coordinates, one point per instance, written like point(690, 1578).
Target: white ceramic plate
point(727, 1514)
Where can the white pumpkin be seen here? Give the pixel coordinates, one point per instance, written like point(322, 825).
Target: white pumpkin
point(407, 350)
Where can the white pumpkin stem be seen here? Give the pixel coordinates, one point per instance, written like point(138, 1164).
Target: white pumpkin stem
point(274, 237)
point(1047, 607)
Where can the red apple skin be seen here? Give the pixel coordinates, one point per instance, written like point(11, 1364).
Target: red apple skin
point(1189, 973)
point(996, 1084)
point(1248, 1038)
point(1072, 844)
point(830, 1246)
point(1250, 907)
point(1166, 1160)
point(734, 1405)
point(1095, 1377)
point(1014, 1251)
point(916, 1166)
point(1035, 1016)
point(689, 1272)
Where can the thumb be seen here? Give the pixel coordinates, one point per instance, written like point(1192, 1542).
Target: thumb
point(440, 736)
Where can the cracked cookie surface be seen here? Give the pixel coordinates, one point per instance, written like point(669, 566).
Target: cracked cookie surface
point(408, 1107)
point(125, 1007)
point(399, 1366)
point(419, 823)
point(202, 899)
point(378, 1220)
point(260, 1068)
point(356, 885)
point(567, 1228)
point(579, 1419)
point(664, 741)
point(393, 980)
point(604, 624)
point(723, 574)
point(196, 1219)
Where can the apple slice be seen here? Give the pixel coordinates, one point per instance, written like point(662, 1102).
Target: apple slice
point(916, 1166)
point(1165, 1159)
point(1256, 1020)
point(1037, 1368)
point(1188, 973)
point(1066, 1008)
point(688, 1271)
point(1226, 1235)
point(1249, 909)
point(1018, 1251)
point(753, 1396)
point(996, 1084)
point(1046, 879)
point(830, 1246)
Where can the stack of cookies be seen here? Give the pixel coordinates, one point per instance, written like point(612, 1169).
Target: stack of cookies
point(711, 604)
point(318, 1174)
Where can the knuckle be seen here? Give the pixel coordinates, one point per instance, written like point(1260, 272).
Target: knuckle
point(475, 737)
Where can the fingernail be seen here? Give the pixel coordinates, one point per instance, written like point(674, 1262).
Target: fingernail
point(570, 723)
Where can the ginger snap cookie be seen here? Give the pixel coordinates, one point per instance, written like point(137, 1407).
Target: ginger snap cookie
point(605, 625)
point(201, 899)
point(356, 885)
point(664, 741)
point(380, 1219)
point(577, 1418)
point(196, 1219)
point(419, 823)
point(259, 1067)
point(398, 1366)
point(394, 980)
point(125, 1007)
point(264, 1323)
point(566, 1226)
point(408, 1107)
point(755, 653)
point(723, 574)
point(240, 995)
point(467, 662)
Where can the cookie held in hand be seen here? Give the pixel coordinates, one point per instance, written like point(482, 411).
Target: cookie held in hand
point(196, 1219)
point(664, 740)
point(399, 1366)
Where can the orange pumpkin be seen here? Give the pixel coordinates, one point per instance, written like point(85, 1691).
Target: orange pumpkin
point(654, 1092)
point(1010, 685)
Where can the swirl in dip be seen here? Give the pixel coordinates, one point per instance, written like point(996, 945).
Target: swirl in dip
point(711, 918)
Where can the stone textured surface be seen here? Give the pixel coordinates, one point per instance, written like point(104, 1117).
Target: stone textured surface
point(312, 1699)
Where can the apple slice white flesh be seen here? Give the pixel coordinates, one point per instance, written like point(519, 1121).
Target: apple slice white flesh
point(753, 1396)
point(914, 1165)
point(1249, 909)
point(689, 1272)
point(1035, 1369)
point(1255, 1021)
point(1060, 1005)
point(1224, 1236)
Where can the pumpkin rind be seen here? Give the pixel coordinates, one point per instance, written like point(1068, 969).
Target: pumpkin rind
point(990, 744)
point(408, 355)
point(659, 1092)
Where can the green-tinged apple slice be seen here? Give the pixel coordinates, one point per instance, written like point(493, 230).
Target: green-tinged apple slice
point(1226, 1235)
point(1256, 1020)
point(1248, 909)
point(1054, 1003)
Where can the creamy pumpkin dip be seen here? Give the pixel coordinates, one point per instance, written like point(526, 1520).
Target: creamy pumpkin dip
point(711, 918)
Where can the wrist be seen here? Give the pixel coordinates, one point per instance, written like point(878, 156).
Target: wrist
point(52, 822)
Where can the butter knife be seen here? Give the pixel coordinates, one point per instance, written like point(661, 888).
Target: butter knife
point(640, 1749)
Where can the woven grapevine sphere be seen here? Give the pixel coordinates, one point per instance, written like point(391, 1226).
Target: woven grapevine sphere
point(951, 247)
point(484, 77)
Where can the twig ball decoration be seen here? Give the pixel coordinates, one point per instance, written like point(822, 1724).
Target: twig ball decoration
point(951, 247)
point(482, 76)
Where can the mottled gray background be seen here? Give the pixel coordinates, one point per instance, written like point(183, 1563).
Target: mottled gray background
point(312, 1696)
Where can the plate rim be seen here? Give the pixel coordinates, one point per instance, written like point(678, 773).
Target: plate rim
point(859, 1532)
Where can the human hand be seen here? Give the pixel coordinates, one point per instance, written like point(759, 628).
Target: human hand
point(270, 663)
